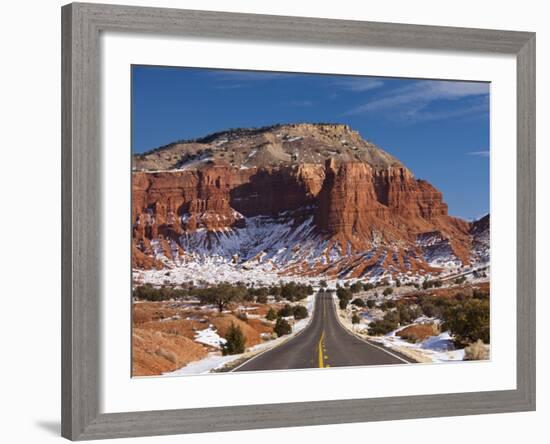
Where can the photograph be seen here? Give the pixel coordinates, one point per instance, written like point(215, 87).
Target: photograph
point(290, 221)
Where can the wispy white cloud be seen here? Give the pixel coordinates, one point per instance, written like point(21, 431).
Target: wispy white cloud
point(482, 153)
point(358, 84)
point(422, 113)
point(411, 101)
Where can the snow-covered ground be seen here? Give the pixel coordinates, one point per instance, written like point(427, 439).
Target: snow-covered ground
point(209, 336)
point(215, 360)
point(438, 348)
point(213, 272)
point(289, 243)
point(216, 270)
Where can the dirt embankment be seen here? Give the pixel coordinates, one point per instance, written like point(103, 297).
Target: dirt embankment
point(163, 335)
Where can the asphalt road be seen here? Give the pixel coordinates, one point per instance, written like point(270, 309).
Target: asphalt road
point(323, 343)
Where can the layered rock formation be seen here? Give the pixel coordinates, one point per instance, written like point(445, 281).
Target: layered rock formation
point(305, 199)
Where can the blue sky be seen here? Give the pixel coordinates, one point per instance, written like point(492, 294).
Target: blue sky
point(439, 129)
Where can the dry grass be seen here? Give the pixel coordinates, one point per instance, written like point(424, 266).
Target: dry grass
point(478, 351)
point(154, 311)
point(154, 353)
point(252, 328)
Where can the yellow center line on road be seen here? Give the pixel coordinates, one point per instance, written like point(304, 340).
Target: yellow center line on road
point(321, 346)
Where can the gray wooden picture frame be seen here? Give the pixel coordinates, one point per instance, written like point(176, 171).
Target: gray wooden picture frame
point(81, 231)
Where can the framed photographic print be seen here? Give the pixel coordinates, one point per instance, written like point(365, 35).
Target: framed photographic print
point(278, 221)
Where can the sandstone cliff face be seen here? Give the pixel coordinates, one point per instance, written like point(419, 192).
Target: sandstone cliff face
point(351, 204)
point(216, 197)
point(357, 202)
point(321, 217)
point(348, 208)
point(171, 203)
point(270, 191)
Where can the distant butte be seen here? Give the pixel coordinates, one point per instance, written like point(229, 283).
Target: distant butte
point(301, 199)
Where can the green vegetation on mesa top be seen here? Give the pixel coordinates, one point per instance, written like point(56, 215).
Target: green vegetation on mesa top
point(280, 144)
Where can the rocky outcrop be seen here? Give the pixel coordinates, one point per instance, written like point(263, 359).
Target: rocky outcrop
point(359, 205)
point(348, 207)
point(170, 203)
point(216, 197)
point(277, 145)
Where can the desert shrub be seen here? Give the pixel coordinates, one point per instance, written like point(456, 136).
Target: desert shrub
point(355, 319)
point(285, 311)
point(480, 294)
point(387, 291)
point(392, 316)
point(282, 327)
point(292, 291)
point(343, 303)
point(381, 327)
point(433, 306)
point(427, 307)
point(358, 302)
point(371, 303)
point(387, 305)
point(368, 286)
point(221, 294)
point(149, 293)
point(300, 312)
point(460, 297)
point(343, 293)
point(469, 321)
point(144, 292)
point(397, 283)
point(356, 287)
point(408, 313)
point(235, 341)
point(261, 299)
point(323, 284)
point(271, 314)
point(253, 293)
point(460, 280)
point(262, 291)
point(477, 351)
point(430, 284)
